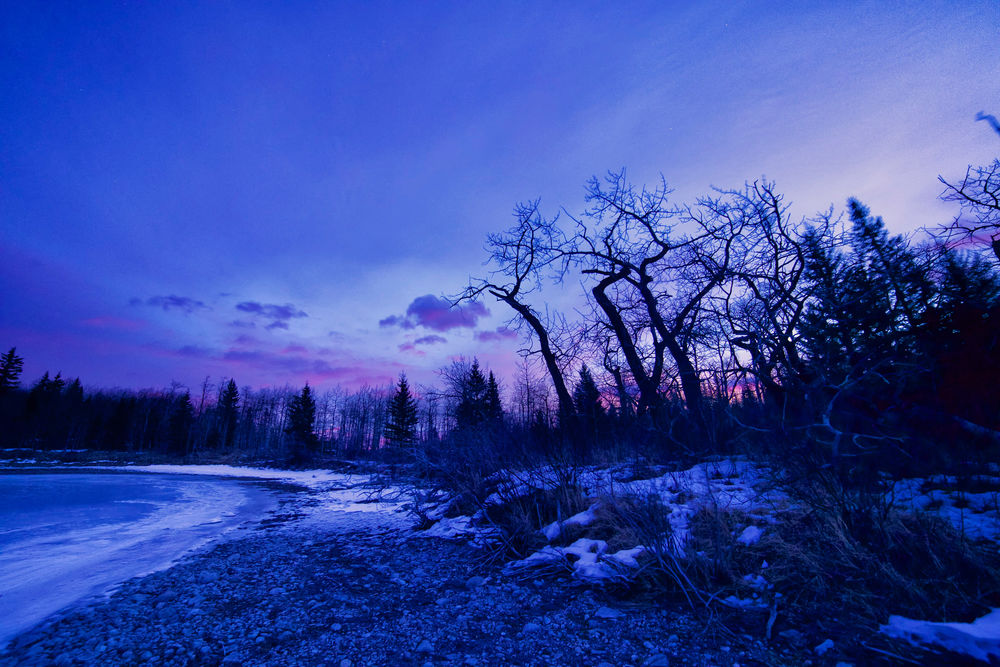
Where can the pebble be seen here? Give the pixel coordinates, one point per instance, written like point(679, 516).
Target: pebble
point(608, 613)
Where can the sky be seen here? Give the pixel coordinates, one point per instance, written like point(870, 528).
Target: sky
point(284, 192)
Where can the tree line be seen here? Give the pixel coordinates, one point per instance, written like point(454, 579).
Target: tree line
point(710, 326)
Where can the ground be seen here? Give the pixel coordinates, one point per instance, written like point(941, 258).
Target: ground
point(333, 581)
point(295, 592)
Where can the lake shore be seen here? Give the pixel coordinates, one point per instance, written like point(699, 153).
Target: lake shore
point(366, 592)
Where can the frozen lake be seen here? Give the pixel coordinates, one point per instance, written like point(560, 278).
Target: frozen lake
point(68, 536)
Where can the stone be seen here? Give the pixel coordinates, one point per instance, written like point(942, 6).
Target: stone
point(658, 660)
point(531, 627)
point(608, 613)
point(425, 647)
point(475, 582)
point(823, 647)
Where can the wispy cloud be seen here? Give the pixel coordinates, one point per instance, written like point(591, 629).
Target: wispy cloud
point(277, 313)
point(500, 333)
point(184, 304)
point(271, 311)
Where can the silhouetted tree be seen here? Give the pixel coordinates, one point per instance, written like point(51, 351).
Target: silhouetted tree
point(493, 404)
point(229, 401)
point(301, 417)
point(401, 424)
point(11, 366)
point(471, 411)
point(180, 425)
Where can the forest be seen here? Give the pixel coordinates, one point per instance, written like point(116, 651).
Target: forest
point(842, 362)
point(719, 326)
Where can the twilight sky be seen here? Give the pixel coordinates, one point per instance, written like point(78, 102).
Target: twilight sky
point(281, 192)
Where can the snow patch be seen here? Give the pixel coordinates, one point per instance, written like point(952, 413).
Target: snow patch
point(979, 639)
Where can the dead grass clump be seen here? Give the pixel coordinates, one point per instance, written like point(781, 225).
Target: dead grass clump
point(910, 564)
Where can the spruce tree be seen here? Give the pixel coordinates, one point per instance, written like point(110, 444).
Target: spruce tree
point(401, 427)
point(180, 424)
point(494, 407)
point(301, 417)
point(587, 397)
point(11, 366)
point(229, 402)
point(471, 411)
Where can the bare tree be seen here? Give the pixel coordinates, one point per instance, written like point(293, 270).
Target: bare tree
point(520, 254)
point(978, 195)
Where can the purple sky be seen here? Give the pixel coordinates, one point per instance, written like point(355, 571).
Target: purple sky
point(282, 191)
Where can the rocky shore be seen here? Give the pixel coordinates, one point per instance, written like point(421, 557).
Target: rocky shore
point(367, 592)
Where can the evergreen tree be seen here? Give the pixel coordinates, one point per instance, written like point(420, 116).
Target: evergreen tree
point(74, 392)
point(229, 402)
point(180, 425)
point(57, 384)
point(494, 407)
point(401, 427)
point(11, 366)
point(301, 417)
point(471, 411)
point(587, 397)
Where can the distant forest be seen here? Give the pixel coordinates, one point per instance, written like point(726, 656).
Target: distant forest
point(717, 326)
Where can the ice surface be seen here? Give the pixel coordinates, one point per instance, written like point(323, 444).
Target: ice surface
point(70, 536)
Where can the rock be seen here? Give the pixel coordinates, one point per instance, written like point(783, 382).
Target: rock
point(475, 582)
point(658, 660)
point(531, 627)
point(425, 647)
point(608, 613)
point(232, 661)
point(346, 663)
point(208, 577)
point(791, 635)
point(277, 590)
point(825, 646)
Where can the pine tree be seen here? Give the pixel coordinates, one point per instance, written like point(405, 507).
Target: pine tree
point(401, 427)
point(587, 397)
point(74, 392)
point(11, 366)
point(471, 411)
point(180, 424)
point(301, 417)
point(494, 407)
point(229, 402)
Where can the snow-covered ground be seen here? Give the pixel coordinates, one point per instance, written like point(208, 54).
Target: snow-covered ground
point(738, 486)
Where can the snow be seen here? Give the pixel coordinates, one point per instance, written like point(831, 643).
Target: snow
point(975, 515)
point(311, 479)
point(979, 639)
point(582, 520)
point(751, 535)
point(725, 485)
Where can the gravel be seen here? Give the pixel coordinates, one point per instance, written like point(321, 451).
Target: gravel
point(322, 595)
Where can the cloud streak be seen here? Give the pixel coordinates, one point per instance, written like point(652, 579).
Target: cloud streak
point(499, 334)
point(185, 304)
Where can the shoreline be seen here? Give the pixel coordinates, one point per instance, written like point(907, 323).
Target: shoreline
point(364, 592)
point(50, 573)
